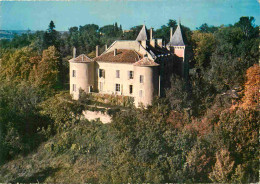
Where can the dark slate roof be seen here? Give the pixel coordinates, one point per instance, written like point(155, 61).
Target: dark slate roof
point(81, 59)
point(177, 39)
point(143, 34)
point(123, 56)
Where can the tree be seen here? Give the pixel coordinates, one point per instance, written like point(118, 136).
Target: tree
point(231, 57)
point(223, 167)
point(47, 71)
point(204, 28)
point(247, 26)
point(252, 86)
point(62, 110)
point(51, 36)
point(178, 95)
point(204, 45)
point(51, 27)
point(19, 119)
point(17, 65)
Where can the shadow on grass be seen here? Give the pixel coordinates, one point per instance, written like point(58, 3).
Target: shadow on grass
point(37, 177)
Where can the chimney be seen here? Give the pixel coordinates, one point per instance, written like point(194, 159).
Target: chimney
point(97, 50)
point(171, 30)
point(159, 43)
point(105, 47)
point(151, 33)
point(115, 52)
point(74, 52)
point(152, 42)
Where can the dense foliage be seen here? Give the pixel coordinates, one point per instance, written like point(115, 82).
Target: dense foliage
point(206, 129)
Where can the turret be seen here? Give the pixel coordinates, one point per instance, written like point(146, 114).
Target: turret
point(146, 80)
point(81, 75)
point(176, 43)
point(143, 36)
point(177, 47)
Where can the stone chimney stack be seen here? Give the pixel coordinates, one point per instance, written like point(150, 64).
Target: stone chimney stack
point(160, 43)
point(105, 47)
point(97, 50)
point(171, 30)
point(115, 52)
point(151, 33)
point(74, 52)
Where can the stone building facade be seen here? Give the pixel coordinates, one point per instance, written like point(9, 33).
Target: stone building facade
point(138, 68)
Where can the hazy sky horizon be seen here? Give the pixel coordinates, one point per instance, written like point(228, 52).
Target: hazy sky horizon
point(36, 15)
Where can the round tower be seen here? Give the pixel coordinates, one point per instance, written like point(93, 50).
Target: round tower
point(81, 75)
point(146, 81)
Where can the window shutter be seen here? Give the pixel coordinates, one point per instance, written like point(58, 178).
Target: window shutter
point(104, 73)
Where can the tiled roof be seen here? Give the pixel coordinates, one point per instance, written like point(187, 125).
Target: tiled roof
point(146, 62)
point(122, 56)
point(177, 39)
point(81, 58)
point(143, 34)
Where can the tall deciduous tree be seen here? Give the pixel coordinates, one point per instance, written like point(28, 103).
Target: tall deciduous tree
point(47, 71)
point(203, 46)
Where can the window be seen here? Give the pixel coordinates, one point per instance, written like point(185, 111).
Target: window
point(141, 93)
point(141, 79)
point(101, 86)
point(117, 73)
point(74, 88)
point(130, 89)
point(73, 73)
point(130, 74)
point(117, 87)
point(90, 89)
point(101, 73)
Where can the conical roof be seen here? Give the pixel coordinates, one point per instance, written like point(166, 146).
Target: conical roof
point(177, 39)
point(145, 61)
point(143, 34)
point(81, 59)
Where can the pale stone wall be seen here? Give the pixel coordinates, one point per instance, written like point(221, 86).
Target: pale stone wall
point(84, 77)
point(149, 87)
point(110, 80)
point(93, 115)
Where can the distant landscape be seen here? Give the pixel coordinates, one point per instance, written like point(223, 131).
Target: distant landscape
point(9, 34)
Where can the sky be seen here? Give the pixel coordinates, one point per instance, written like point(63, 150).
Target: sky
point(36, 15)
